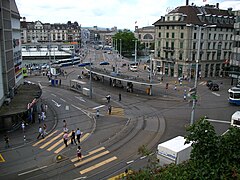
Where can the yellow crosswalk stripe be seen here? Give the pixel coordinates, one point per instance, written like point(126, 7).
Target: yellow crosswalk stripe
point(2, 159)
point(117, 111)
point(91, 158)
point(120, 176)
point(57, 143)
point(89, 154)
point(63, 146)
point(98, 165)
point(40, 141)
point(49, 142)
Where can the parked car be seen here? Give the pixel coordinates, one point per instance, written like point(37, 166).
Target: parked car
point(209, 83)
point(133, 68)
point(214, 87)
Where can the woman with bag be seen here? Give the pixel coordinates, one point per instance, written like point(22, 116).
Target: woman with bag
point(79, 153)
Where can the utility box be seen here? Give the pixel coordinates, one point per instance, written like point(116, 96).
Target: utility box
point(173, 151)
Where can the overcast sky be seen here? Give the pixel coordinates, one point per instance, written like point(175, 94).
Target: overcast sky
point(107, 13)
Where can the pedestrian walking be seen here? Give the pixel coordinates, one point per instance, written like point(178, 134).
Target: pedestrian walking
point(65, 129)
point(97, 113)
point(119, 97)
point(39, 118)
point(79, 153)
point(166, 85)
point(73, 137)
point(43, 116)
point(40, 132)
point(108, 97)
point(44, 129)
point(65, 138)
point(109, 109)
point(6, 139)
point(46, 108)
point(23, 127)
point(78, 133)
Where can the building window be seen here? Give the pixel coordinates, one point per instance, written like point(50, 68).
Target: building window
point(214, 44)
point(194, 45)
point(172, 45)
point(209, 36)
point(167, 35)
point(159, 34)
point(180, 56)
point(209, 45)
point(193, 57)
point(173, 35)
point(208, 56)
point(181, 45)
point(195, 36)
point(167, 44)
point(182, 35)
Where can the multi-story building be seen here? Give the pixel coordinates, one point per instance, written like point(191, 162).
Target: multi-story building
point(234, 70)
point(10, 53)
point(146, 36)
point(177, 36)
point(45, 32)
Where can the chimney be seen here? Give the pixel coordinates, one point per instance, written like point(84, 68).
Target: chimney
point(187, 2)
point(217, 5)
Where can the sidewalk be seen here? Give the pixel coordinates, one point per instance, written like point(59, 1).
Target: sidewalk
point(16, 138)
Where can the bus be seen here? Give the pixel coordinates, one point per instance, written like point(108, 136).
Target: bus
point(24, 72)
point(234, 95)
point(66, 62)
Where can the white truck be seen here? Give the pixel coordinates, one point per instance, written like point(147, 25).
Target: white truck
point(173, 151)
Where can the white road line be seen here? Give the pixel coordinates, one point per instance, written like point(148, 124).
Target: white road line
point(54, 95)
point(216, 94)
point(80, 98)
point(129, 162)
point(62, 100)
point(27, 172)
point(85, 112)
point(84, 177)
point(56, 104)
point(98, 107)
point(143, 157)
point(219, 121)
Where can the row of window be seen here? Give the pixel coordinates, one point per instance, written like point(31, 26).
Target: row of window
point(209, 55)
point(211, 36)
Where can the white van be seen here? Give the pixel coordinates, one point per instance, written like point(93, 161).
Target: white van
point(235, 120)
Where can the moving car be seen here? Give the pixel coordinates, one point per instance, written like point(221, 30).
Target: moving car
point(214, 87)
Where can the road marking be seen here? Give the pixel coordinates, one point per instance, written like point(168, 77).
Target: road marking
point(117, 111)
point(84, 177)
point(91, 158)
point(216, 94)
point(90, 153)
point(98, 165)
point(45, 138)
point(57, 143)
point(129, 162)
point(27, 172)
point(98, 107)
point(120, 176)
point(53, 139)
point(54, 95)
point(63, 146)
point(219, 121)
point(84, 111)
point(80, 98)
point(62, 99)
point(56, 104)
point(2, 159)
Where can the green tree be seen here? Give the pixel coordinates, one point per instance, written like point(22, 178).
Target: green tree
point(127, 41)
point(212, 156)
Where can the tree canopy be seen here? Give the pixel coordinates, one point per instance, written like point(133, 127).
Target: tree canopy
point(212, 156)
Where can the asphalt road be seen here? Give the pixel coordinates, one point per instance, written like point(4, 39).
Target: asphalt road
point(110, 143)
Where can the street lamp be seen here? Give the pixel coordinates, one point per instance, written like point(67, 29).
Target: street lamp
point(135, 60)
point(120, 48)
point(197, 61)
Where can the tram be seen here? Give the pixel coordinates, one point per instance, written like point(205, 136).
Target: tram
point(234, 96)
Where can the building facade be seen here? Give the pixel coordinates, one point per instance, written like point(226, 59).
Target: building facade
point(33, 32)
point(234, 70)
point(146, 36)
point(10, 53)
point(177, 37)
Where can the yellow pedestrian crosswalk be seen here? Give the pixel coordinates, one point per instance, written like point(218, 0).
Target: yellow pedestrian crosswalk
point(54, 143)
point(117, 111)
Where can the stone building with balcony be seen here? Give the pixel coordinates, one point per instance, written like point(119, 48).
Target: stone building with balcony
point(176, 39)
point(234, 69)
point(33, 32)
